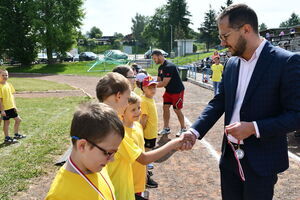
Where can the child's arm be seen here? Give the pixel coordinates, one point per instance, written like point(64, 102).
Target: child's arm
point(143, 120)
point(1, 108)
point(151, 156)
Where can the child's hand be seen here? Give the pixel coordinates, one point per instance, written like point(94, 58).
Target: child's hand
point(178, 143)
point(16, 110)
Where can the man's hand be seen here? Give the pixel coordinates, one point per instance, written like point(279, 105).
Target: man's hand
point(189, 139)
point(241, 130)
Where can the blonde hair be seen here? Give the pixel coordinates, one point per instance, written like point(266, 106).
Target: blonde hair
point(134, 98)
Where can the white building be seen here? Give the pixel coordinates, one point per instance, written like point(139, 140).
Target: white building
point(184, 46)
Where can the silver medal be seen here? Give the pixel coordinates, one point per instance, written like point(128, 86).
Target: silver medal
point(239, 153)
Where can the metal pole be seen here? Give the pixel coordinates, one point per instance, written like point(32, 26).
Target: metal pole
point(171, 38)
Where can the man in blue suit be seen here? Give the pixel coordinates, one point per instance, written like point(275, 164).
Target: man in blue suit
point(260, 95)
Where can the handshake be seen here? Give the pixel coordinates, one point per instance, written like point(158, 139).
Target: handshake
point(186, 141)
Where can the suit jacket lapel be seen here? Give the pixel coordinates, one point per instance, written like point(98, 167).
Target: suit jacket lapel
point(261, 66)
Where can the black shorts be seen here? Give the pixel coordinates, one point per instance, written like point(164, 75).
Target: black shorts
point(150, 144)
point(11, 113)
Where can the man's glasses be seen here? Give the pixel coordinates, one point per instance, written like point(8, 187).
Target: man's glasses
point(224, 37)
point(130, 76)
point(108, 155)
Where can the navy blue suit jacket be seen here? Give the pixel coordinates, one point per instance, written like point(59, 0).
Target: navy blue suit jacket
point(272, 100)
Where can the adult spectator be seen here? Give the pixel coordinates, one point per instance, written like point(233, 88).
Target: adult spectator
point(168, 77)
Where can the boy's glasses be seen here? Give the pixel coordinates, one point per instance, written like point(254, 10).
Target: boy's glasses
point(108, 155)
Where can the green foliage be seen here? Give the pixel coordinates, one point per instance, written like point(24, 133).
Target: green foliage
point(18, 36)
point(263, 27)
point(138, 26)
point(209, 29)
point(292, 21)
point(47, 133)
point(98, 49)
point(58, 24)
point(95, 33)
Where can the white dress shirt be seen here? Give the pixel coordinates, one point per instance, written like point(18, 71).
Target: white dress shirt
point(245, 74)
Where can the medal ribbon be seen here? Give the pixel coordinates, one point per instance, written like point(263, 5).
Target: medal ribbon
point(89, 181)
point(241, 172)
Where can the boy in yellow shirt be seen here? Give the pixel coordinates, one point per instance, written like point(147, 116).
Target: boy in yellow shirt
point(8, 108)
point(96, 133)
point(217, 69)
point(135, 130)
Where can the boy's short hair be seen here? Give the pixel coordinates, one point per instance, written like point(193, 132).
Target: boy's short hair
point(110, 84)
point(94, 121)
point(134, 98)
point(156, 52)
point(122, 69)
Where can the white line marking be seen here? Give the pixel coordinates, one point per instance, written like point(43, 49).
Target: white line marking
point(216, 155)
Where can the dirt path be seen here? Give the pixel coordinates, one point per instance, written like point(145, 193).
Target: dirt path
point(184, 175)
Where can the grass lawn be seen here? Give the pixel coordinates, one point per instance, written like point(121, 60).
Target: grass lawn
point(46, 122)
point(30, 84)
point(79, 68)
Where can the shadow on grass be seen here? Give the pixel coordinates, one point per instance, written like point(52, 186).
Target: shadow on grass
point(5, 144)
point(51, 69)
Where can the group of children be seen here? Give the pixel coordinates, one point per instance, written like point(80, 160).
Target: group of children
point(8, 109)
point(113, 141)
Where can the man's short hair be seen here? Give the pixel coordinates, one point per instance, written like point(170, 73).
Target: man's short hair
point(156, 52)
point(240, 14)
point(111, 84)
point(94, 121)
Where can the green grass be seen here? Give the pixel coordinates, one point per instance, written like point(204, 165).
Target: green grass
point(30, 84)
point(46, 123)
point(79, 68)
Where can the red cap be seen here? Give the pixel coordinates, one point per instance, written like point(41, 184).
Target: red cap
point(149, 81)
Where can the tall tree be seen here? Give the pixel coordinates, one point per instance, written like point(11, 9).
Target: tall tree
point(208, 29)
point(157, 31)
point(227, 3)
point(292, 21)
point(59, 22)
point(179, 18)
point(139, 23)
point(95, 32)
point(17, 35)
point(263, 27)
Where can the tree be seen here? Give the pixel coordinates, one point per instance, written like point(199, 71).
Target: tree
point(292, 21)
point(263, 27)
point(118, 35)
point(18, 37)
point(208, 29)
point(157, 31)
point(228, 3)
point(95, 33)
point(59, 22)
point(178, 17)
point(139, 23)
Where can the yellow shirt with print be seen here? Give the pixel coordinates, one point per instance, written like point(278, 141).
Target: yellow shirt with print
point(120, 170)
point(217, 72)
point(69, 185)
point(148, 108)
point(6, 94)
point(139, 170)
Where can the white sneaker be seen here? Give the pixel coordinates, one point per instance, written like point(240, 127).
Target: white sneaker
point(178, 134)
point(164, 131)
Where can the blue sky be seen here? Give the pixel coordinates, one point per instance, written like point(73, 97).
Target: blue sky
point(115, 15)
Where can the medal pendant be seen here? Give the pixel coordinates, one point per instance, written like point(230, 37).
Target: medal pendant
point(239, 153)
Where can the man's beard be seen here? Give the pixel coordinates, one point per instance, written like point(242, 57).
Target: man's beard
point(240, 47)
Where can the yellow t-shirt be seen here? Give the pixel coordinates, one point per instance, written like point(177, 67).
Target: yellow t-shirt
point(120, 170)
point(69, 185)
point(217, 72)
point(6, 93)
point(148, 108)
point(139, 170)
point(138, 91)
